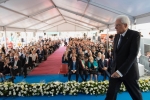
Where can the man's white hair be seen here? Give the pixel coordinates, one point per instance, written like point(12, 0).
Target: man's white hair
point(124, 19)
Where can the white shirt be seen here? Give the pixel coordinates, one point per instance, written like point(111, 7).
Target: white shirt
point(123, 34)
point(34, 56)
point(27, 59)
point(15, 64)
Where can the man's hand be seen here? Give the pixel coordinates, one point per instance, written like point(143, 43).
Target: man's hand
point(74, 71)
point(86, 68)
point(115, 75)
point(104, 68)
point(10, 67)
point(15, 67)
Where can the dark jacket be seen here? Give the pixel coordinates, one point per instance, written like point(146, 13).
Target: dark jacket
point(18, 64)
point(102, 64)
point(125, 56)
point(76, 66)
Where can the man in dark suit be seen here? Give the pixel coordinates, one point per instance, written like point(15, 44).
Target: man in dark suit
point(16, 65)
point(28, 63)
point(11, 58)
point(83, 67)
point(40, 53)
point(103, 66)
point(125, 66)
point(22, 58)
point(73, 68)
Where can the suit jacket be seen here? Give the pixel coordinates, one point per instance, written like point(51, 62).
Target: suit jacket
point(71, 66)
point(125, 56)
point(108, 55)
point(1, 66)
point(40, 53)
point(102, 64)
point(64, 60)
point(18, 64)
point(22, 59)
point(30, 61)
point(82, 65)
point(6, 68)
point(11, 59)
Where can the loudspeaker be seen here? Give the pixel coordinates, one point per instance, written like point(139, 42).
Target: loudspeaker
point(93, 37)
point(99, 38)
point(22, 39)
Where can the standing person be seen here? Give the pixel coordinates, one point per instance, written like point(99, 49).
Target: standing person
point(28, 63)
point(125, 66)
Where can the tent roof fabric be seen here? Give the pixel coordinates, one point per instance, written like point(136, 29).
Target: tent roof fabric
point(47, 15)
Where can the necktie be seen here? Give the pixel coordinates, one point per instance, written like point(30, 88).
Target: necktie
point(74, 66)
point(119, 42)
point(103, 62)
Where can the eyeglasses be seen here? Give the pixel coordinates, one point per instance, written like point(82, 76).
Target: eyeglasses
point(118, 25)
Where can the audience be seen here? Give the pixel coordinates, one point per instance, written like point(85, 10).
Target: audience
point(18, 61)
point(82, 56)
point(92, 57)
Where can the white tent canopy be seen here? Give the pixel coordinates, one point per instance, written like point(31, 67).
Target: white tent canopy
point(69, 15)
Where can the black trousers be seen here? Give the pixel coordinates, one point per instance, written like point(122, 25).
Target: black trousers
point(70, 73)
point(83, 74)
point(15, 71)
point(25, 69)
point(104, 75)
point(130, 84)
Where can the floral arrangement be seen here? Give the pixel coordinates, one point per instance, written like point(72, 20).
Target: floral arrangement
point(68, 88)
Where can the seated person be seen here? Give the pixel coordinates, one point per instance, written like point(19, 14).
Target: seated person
point(93, 68)
point(83, 68)
point(103, 66)
point(7, 69)
point(73, 68)
point(34, 57)
point(40, 53)
point(1, 64)
point(16, 65)
point(28, 63)
point(98, 56)
point(65, 57)
point(110, 62)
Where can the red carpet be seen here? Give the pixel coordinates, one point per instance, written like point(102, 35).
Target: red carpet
point(51, 65)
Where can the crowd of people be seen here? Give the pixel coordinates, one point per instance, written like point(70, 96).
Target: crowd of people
point(17, 61)
point(85, 57)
